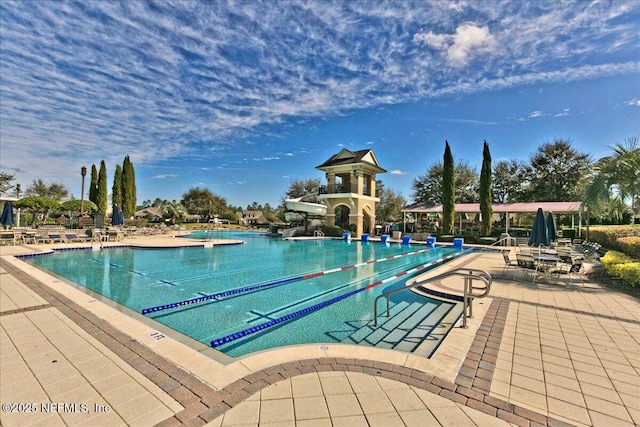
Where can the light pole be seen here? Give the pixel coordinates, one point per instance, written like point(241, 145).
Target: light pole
point(18, 213)
point(83, 173)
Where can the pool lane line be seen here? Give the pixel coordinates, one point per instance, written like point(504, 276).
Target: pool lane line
point(238, 291)
point(323, 293)
point(261, 327)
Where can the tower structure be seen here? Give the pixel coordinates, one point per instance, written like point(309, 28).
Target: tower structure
point(350, 192)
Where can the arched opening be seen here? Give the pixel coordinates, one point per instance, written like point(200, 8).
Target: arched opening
point(366, 223)
point(342, 216)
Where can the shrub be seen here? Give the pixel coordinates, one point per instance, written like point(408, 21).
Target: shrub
point(630, 245)
point(622, 238)
point(622, 266)
point(331, 231)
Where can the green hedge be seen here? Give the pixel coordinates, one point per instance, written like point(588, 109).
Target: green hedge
point(621, 238)
point(622, 266)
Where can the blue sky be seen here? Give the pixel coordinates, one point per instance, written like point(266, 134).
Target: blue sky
point(243, 97)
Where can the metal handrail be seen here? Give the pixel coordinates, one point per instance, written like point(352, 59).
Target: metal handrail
point(509, 239)
point(468, 294)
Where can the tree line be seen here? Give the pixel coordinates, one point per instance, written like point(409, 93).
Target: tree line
point(556, 171)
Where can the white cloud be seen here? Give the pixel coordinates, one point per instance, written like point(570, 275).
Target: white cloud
point(163, 176)
point(397, 172)
point(564, 112)
point(635, 102)
point(534, 114)
point(468, 41)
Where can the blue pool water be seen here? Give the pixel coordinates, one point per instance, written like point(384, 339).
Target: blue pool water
point(274, 281)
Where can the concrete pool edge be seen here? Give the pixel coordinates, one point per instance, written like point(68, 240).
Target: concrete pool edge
point(206, 403)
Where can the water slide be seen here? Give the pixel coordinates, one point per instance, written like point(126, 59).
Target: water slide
point(297, 205)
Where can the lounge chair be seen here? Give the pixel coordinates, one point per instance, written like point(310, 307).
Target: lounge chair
point(41, 238)
point(73, 237)
point(29, 237)
point(8, 238)
point(56, 238)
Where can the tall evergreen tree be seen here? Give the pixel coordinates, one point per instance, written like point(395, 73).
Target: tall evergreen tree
point(448, 191)
point(128, 188)
point(485, 191)
point(101, 192)
point(116, 191)
point(93, 185)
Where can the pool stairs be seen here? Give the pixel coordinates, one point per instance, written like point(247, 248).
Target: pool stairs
point(417, 327)
point(420, 327)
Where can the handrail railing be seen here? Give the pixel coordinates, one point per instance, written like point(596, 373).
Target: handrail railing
point(508, 239)
point(468, 294)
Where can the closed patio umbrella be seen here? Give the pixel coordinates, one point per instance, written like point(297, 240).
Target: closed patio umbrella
point(539, 235)
point(118, 216)
point(7, 214)
point(551, 227)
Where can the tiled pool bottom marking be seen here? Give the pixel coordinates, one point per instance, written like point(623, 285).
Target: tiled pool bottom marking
point(271, 323)
point(203, 404)
point(238, 291)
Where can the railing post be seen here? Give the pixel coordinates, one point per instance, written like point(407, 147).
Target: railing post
point(470, 293)
point(464, 303)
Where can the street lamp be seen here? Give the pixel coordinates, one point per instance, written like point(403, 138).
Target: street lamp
point(18, 213)
point(83, 173)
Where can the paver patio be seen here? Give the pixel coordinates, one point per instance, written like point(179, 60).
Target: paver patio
point(540, 354)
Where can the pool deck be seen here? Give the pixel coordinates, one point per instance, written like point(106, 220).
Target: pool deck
point(534, 355)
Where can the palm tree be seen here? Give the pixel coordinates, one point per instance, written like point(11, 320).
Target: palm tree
point(174, 210)
point(614, 184)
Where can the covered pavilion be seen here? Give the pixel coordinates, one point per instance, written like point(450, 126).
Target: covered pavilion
point(558, 208)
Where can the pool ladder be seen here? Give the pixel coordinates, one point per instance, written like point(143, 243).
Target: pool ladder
point(469, 294)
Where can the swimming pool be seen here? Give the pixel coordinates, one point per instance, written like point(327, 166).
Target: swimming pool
point(262, 294)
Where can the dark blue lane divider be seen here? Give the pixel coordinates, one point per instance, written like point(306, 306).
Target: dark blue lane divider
point(218, 295)
point(232, 337)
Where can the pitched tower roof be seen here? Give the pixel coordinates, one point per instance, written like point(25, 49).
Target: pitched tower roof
point(347, 157)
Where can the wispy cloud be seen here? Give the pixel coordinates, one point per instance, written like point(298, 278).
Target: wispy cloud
point(634, 102)
point(266, 159)
point(397, 172)
point(164, 176)
point(564, 112)
point(93, 80)
point(468, 121)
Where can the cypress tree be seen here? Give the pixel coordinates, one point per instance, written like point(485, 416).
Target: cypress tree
point(128, 188)
point(448, 191)
point(93, 185)
point(101, 193)
point(116, 191)
point(485, 191)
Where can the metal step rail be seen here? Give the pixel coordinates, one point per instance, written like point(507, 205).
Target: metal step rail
point(510, 241)
point(469, 274)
